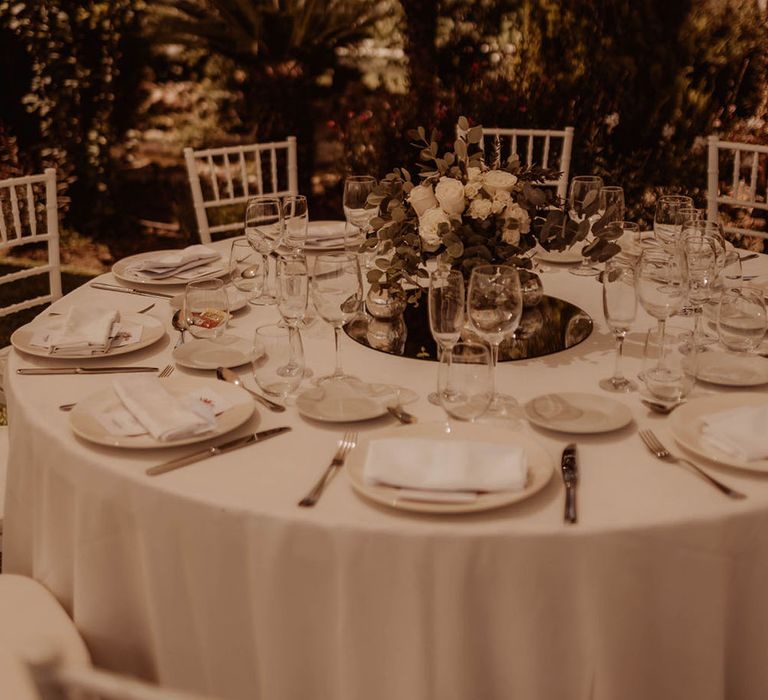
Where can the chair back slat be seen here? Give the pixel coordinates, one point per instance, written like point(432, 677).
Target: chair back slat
point(223, 179)
point(753, 176)
point(31, 214)
point(545, 155)
point(736, 170)
point(3, 229)
point(15, 211)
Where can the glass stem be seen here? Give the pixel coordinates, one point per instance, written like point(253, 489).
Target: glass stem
point(292, 331)
point(618, 375)
point(494, 362)
point(337, 372)
point(697, 311)
point(661, 328)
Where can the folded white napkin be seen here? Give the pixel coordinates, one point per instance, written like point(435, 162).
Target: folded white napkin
point(83, 328)
point(325, 232)
point(172, 263)
point(163, 415)
point(740, 432)
point(445, 465)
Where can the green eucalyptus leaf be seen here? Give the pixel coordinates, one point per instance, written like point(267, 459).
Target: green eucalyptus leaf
point(463, 123)
point(475, 134)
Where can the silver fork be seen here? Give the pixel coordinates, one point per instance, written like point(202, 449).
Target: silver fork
point(660, 452)
point(345, 445)
point(167, 371)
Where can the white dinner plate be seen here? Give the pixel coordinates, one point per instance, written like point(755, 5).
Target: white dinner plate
point(84, 424)
point(325, 235)
point(729, 369)
point(345, 401)
point(237, 300)
point(563, 257)
point(686, 424)
point(152, 331)
point(540, 467)
point(226, 351)
point(121, 270)
point(577, 413)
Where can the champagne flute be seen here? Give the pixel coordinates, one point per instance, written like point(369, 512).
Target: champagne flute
point(742, 319)
point(264, 231)
point(495, 306)
point(336, 290)
point(446, 312)
point(620, 308)
point(296, 221)
point(206, 308)
point(465, 380)
point(292, 294)
point(246, 269)
point(583, 195)
point(668, 219)
point(701, 269)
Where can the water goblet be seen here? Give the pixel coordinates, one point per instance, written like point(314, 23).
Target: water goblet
point(667, 218)
point(620, 308)
point(264, 231)
point(583, 205)
point(206, 308)
point(246, 269)
point(742, 319)
point(465, 381)
point(296, 221)
point(278, 360)
point(446, 312)
point(336, 292)
point(494, 307)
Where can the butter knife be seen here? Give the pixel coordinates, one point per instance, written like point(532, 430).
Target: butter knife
point(130, 290)
point(83, 370)
point(214, 450)
point(570, 472)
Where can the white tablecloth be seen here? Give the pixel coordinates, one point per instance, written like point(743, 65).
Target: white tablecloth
point(210, 578)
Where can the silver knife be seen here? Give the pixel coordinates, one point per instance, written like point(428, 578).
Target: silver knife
point(83, 370)
point(570, 478)
point(130, 290)
point(235, 444)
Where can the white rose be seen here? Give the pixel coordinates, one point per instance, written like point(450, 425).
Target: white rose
point(450, 194)
point(495, 180)
point(472, 189)
point(422, 197)
point(429, 223)
point(511, 236)
point(480, 208)
point(500, 200)
point(474, 174)
point(515, 213)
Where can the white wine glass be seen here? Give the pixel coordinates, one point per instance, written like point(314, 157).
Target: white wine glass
point(620, 309)
point(246, 269)
point(296, 222)
point(278, 360)
point(336, 292)
point(292, 292)
point(742, 319)
point(494, 307)
point(206, 308)
point(583, 194)
point(700, 255)
point(465, 381)
point(611, 203)
point(446, 312)
point(264, 231)
point(668, 219)
point(355, 200)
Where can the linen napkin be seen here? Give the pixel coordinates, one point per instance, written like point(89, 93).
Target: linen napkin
point(175, 262)
point(445, 465)
point(740, 432)
point(83, 329)
point(325, 233)
point(163, 415)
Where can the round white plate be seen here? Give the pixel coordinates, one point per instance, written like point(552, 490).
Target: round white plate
point(728, 369)
point(540, 467)
point(686, 423)
point(577, 413)
point(85, 425)
point(325, 235)
point(121, 270)
point(237, 300)
point(152, 332)
point(563, 257)
point(345, 401)
point(226, 351)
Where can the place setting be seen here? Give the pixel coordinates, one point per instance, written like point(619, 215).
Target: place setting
point(170, 267)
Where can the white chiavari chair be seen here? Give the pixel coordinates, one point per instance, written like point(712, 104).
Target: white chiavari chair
point(747, 188)
point(223, 179)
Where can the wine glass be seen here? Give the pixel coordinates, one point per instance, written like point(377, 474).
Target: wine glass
point(620, 308)
point(494, 307)
point(446, 312)
point(296, 221)
point(611, 203)
point(206, 308)
point(465, 380)
point(701, 269)
point(741, 318)
point(246, 269)
point(583, 195)
point(667, 218)
point(264, 231)
point(276, 376)
point(355, 198)
point(292, 289)
point(336, 290)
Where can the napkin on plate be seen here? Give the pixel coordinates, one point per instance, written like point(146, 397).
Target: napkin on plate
point(740, 432)
point(163, 415)
point(328, 233)
point(172, 263)
point(445, 465)
point(83, 329)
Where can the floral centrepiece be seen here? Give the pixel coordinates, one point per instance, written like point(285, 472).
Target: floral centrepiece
point(464, 212)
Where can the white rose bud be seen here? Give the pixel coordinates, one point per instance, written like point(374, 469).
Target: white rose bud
point(474, 174)
point(495, 180)
point(480, 208)
point(422, 197)
point(472, 189)
point(511, 236)
point(515, 213)
point(450, 194)
point(500, 200)
point(429, 223)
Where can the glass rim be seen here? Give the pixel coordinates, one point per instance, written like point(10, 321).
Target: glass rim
point(213, 283)
point(675, 198)
point(359, 178)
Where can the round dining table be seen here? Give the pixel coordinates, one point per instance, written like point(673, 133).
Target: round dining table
point(210, 578)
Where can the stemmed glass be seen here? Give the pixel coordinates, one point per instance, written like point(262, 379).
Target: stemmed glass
point(612, 203)
point(206, 308)
point(742, 320)
point(246, 269)
point(668, 218)
point(494, 307)
point(701, 269)
point(335, 289)
point(292, 293)
point(584, 192)
point(264, 231)
point(446, 312)
point(296, 221)
point(356, 191)
point(620, 308)
point(465, 380)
